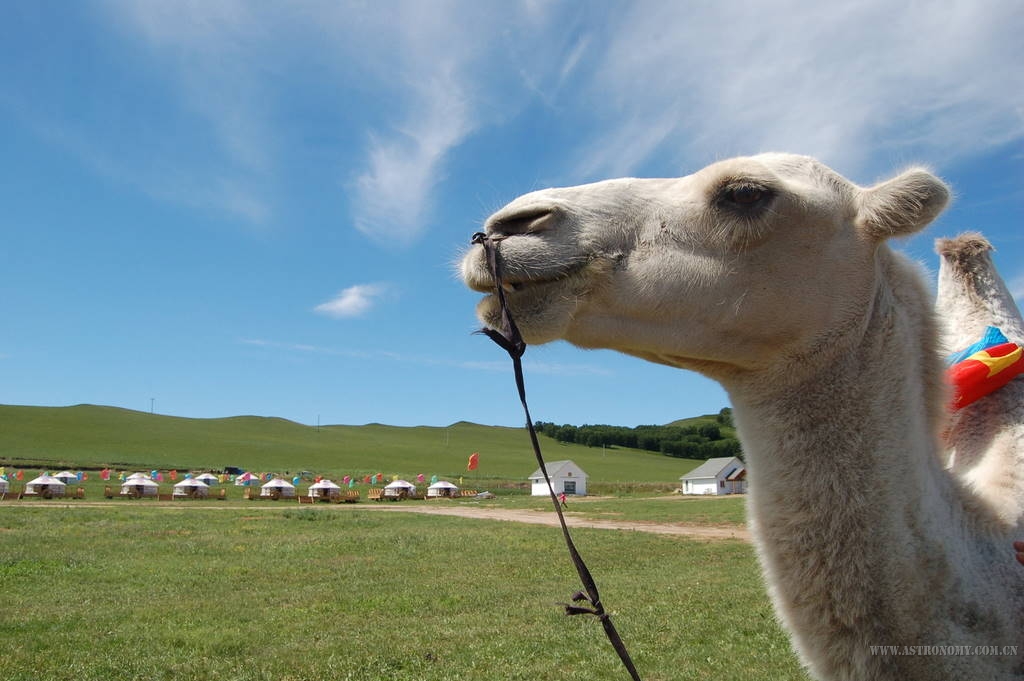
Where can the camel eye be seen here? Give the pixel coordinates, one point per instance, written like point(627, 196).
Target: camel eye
point(745, 194)
point(743, 197)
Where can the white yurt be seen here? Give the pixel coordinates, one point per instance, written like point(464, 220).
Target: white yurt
point(208, 478)
point(137, 476)
point(399, 489)
point(442, 488)
point(139, 487)
point(191, 488)
point(325, 489)
point(277, 489)
point(4, 486)
point(45, 486)
point(66, 477)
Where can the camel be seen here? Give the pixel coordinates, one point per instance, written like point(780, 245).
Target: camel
point(985, 439)
point(771, 274)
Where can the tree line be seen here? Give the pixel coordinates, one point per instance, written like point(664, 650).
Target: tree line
point(699, 441)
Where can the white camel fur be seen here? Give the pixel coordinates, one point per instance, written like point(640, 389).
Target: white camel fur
point(771, 275)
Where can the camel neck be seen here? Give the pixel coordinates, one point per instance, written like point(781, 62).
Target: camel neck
point(848, 499)
point(865, 405)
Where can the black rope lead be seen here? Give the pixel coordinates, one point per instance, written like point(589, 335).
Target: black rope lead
point(508, 337)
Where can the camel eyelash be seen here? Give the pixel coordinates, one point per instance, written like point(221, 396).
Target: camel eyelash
point(743, 197)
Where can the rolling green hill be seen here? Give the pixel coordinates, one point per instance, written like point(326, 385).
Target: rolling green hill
point(88, 436)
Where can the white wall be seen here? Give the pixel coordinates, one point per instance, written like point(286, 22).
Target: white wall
point(702, 486)
point(539, 488)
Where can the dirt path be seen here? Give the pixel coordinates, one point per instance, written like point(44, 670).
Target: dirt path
point(528, 516)
point(533, 517)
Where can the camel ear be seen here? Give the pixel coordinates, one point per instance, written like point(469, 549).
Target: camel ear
point(902, 205)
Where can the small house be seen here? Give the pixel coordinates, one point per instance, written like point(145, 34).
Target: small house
point(722, 475)
point(442, 488)
point(139, 487)
point(566, 478)
point(277, 489)
point(191, 488)
point(325, 490)
point(45, 486)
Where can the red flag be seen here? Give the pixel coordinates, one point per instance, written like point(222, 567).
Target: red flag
point(173, 474)
point(20, 475)
point(474, 461)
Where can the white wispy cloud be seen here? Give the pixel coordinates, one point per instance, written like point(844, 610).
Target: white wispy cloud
point(353, 301)
point(393, 195)
point(847, 82)
point(864, 86)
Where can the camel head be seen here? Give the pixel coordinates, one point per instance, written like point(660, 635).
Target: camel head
point(727, 269)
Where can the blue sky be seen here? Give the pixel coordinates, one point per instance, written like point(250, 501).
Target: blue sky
point(218, 208)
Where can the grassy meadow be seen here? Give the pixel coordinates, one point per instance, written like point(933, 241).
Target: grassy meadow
point(242, 590)
point(150, 591)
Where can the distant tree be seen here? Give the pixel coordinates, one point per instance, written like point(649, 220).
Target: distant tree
point(710, 431)
point(566, 433)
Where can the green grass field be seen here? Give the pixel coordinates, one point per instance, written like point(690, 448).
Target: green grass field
point(144, 591)
point(239, 590)
point(88, 436)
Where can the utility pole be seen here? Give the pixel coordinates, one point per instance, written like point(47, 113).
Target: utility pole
point(151, 401)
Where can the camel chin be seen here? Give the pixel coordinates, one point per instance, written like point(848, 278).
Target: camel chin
point(542, 311)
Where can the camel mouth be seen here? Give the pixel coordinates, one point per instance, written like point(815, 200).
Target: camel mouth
point(518, 286)
point(528, 283)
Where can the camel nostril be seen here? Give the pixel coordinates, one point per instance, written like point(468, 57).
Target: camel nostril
point(525, 222)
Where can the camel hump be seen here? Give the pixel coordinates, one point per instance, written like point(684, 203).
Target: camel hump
point(903, 205)
point(963, 246)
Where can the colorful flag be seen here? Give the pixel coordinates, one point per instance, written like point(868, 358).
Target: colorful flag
point(420, 478)
point(474, 461)
point(174, 474)
point(983, 367)
point(20, 475)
